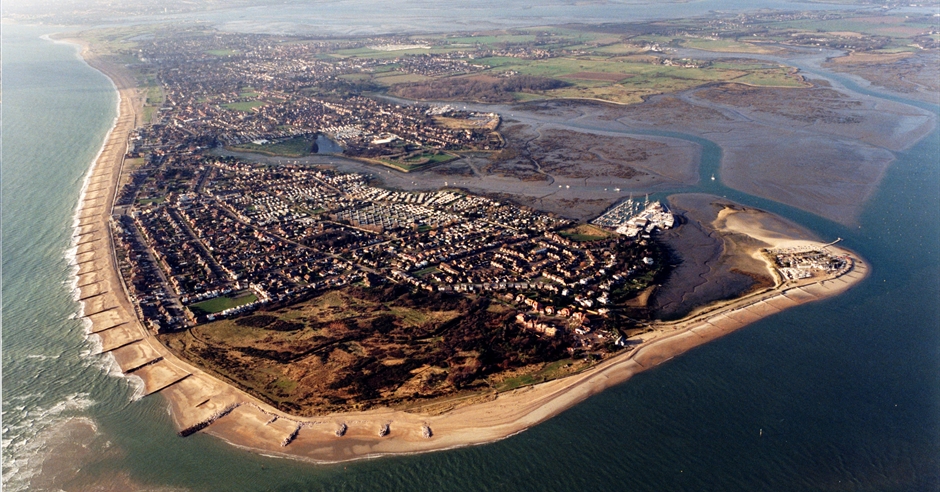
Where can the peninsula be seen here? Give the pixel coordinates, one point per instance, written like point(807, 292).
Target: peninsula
point(305, 264)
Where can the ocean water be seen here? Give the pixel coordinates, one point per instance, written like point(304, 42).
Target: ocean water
point(365, 17)
point(842, 394)
point(55, 114)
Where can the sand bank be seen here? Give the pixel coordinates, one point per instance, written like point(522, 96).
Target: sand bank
point(773, 140)
point(200, 402)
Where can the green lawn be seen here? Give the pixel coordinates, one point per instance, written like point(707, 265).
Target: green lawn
point(131, 164)
point(292, 147)
point(244, 106)
point(495, 39)
point(148, 113)
point(417, 161)
point(639, 77)
point(400, 78)
point(551, 371)
point(150, 201)
point(723, 45)
point(427, 271)
point(398, 164)
point(154, 95)
point(221, 52)
point(221, 303)
point(585, 233)
point(429, 157)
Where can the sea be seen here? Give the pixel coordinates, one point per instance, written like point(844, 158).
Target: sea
point(839, 395)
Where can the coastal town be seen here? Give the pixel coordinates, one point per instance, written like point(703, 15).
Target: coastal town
point(401, 295)
point(305, 245)
point(313, 248)
point(235, 236)
point(201, 238)
point(255, 95)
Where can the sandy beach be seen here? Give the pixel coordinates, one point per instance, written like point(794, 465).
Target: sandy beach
point(104, 301)
point(316, 440)
point(202, 403)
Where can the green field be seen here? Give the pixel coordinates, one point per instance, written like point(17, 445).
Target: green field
point(398, 164)
point(116, 39)
point(723, 45)
point(222, 52)
point(771, 78)
point(613, 49)
point(585, 233)
point(525, 96)
point(244, 106)
point(148, 114)
point(552, 370)
point(494, 39)
point(355, 76)
point(416, 161)
point(131, 164)
point(154, 95)
point(150, 201)
point(632, 78)
point(378, 54)
point(429, 157)
point(872, 25)
point(611, 67)
point(292, 147)
point(400, 78)
point(221, 303)
point(425, 272)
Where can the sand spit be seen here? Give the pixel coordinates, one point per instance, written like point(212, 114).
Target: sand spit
point(200, 402)
point(315, 439)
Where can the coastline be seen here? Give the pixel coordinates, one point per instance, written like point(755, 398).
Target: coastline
point(104, 304)
point(199, 402)
point(513, 412)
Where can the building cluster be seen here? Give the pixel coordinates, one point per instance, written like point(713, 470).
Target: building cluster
point(253, 91)
point(525, 51)
point(200, 237)
point(632, 219)
point(223, 228)
point(436, 66)
point(803, 263)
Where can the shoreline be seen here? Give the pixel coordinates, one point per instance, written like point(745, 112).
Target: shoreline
point(515, 411)
point(83, 288)
point(201, 403)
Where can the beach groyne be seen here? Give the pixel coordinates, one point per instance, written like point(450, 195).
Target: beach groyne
point(105, 304)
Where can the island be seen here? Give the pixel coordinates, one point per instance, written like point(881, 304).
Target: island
point(333, 249)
